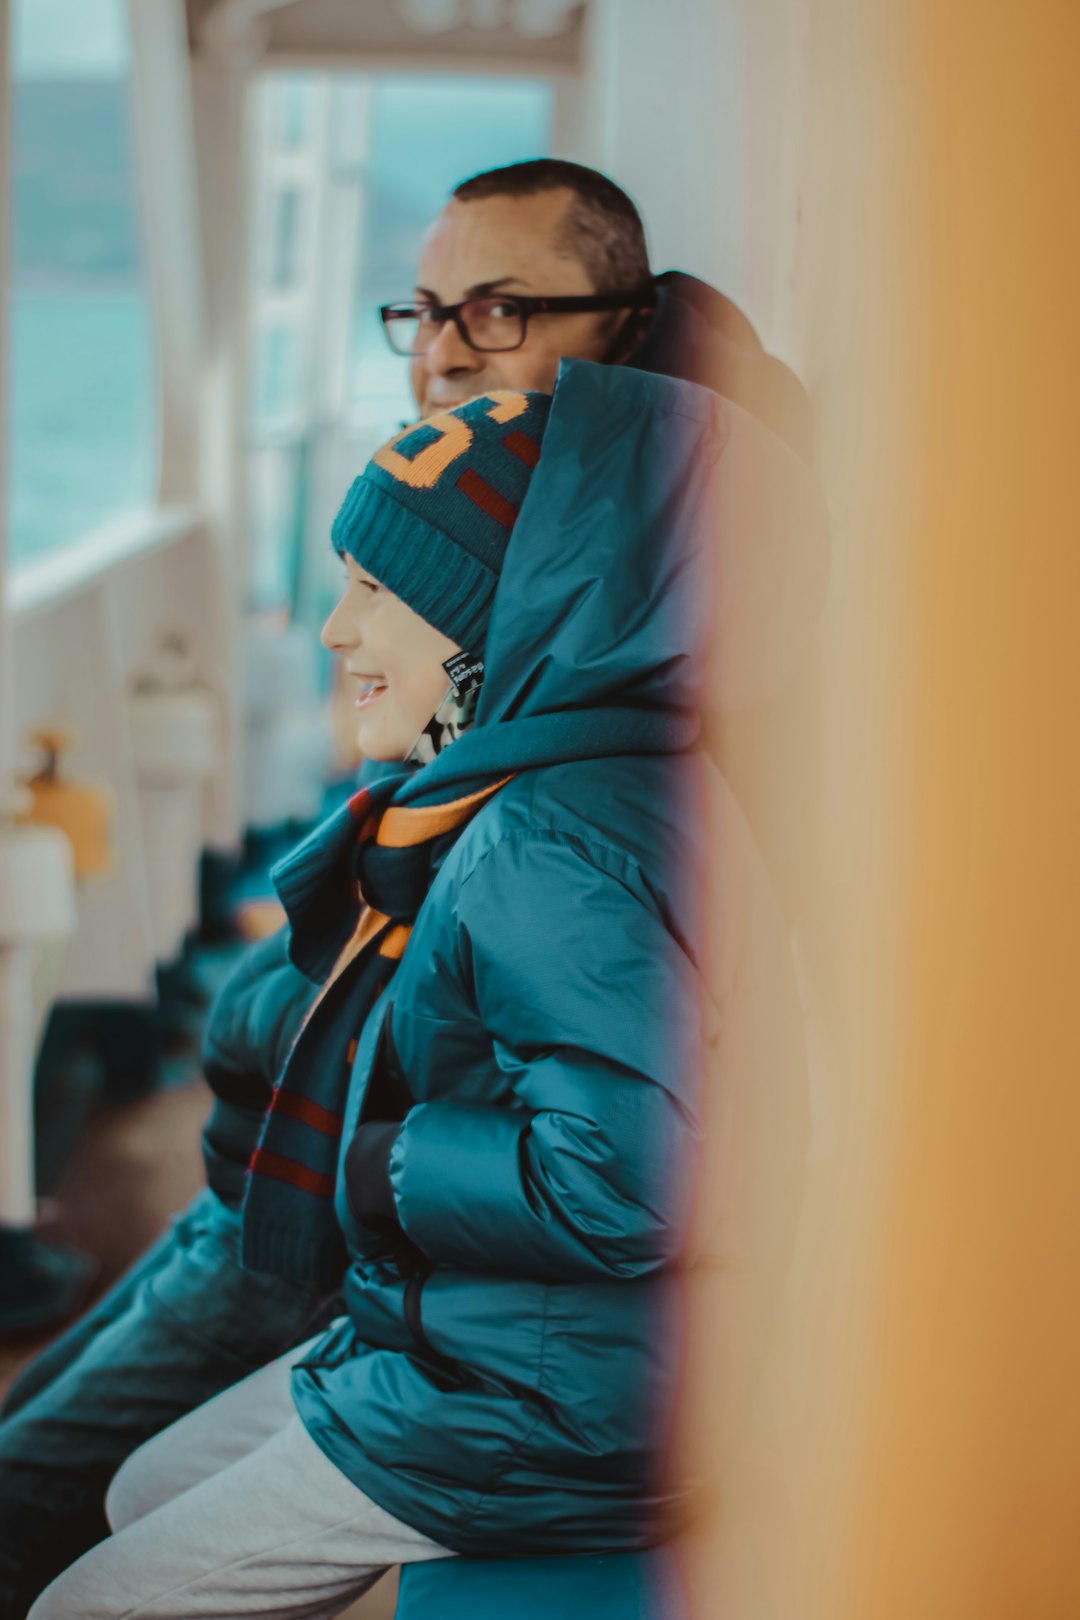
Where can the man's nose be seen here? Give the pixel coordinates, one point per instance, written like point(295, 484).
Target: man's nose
point(450, 352)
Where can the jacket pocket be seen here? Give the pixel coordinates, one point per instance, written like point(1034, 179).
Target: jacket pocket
point(492, 1328)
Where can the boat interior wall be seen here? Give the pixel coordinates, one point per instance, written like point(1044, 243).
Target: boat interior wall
point(675, 100)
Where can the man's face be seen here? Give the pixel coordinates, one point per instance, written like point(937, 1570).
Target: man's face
point(502, 244)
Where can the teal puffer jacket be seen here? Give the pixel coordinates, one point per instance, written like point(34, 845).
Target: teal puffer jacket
point(506, 1375)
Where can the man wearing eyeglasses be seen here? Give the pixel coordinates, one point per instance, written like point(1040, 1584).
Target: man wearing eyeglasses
point(524, 266)
point(547, 260)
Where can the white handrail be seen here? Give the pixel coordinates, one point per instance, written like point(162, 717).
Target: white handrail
point(46, 582)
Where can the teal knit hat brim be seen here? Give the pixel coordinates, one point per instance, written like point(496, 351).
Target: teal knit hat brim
point(395, 545)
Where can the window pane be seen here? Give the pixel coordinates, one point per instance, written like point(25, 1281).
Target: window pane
point(296, 104)
point(277, 384)
point(284, 257)
point(277, 512)
point(83, 406)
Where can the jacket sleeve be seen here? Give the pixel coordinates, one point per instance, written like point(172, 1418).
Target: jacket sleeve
point(253, 1022)
point(592, 1007)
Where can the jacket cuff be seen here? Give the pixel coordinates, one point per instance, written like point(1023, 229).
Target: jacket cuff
point(367, 1174)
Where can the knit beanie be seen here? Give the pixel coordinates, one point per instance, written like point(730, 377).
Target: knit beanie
point(432, 512)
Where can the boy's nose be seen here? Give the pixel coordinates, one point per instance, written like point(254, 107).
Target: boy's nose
point(338, 633)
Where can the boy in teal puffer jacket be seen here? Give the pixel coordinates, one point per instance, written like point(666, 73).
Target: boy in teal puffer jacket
point(492, 1112)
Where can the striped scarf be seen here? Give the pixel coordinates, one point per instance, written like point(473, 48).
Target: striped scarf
point(352, 890)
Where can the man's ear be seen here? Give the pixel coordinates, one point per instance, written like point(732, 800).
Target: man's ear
point(626, 337)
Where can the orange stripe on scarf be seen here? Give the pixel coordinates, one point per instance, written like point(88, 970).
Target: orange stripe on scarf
point(402, 827)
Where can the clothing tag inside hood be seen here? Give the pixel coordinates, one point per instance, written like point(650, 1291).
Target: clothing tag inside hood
point(466, 673)
point(455, 713)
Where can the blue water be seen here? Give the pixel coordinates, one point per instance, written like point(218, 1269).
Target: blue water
point(82, 415)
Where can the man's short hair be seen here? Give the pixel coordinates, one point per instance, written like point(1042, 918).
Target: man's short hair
point(602, 228)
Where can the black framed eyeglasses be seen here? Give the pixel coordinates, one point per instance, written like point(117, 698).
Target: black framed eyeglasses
point(495, 324)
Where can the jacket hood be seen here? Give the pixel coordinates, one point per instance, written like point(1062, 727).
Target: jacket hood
point(669, 556)
point(699, 335)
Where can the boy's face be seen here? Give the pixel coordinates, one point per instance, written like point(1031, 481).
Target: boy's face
point(503, 244)
point(395, 658)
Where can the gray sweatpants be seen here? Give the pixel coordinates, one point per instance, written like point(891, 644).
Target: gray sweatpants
point(234, 1510)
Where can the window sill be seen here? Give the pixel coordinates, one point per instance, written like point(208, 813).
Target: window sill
point(37, 586)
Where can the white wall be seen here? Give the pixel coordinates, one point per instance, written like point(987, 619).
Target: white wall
point(672, 97)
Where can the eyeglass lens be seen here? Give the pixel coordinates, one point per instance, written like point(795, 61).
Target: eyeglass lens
point(491, 324)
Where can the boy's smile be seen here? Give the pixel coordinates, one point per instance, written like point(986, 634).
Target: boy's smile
point(371, 687)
